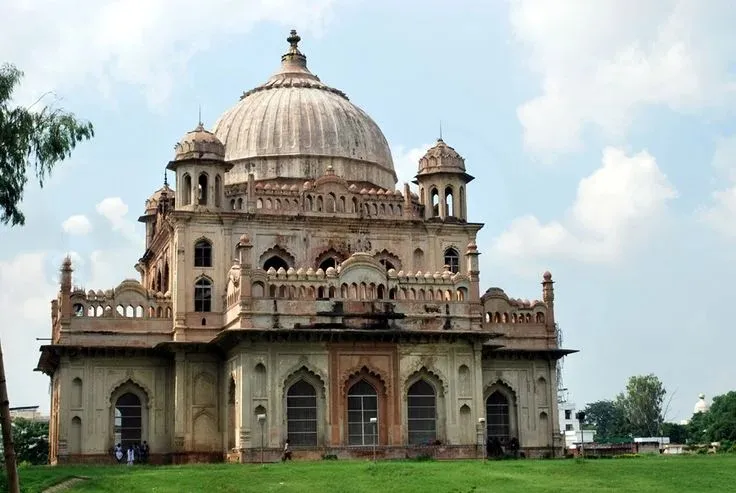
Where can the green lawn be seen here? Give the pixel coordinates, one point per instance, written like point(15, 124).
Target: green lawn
point(640, 475)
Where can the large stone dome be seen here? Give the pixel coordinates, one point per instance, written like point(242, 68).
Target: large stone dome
point(295, 126)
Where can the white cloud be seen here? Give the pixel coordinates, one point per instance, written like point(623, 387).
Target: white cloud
point(31, 281)
point(406, 163)
point(144, 43)
point(115, 210)
point(599, 62)
point(614, 207)
point(720, 214)
point(77, 225)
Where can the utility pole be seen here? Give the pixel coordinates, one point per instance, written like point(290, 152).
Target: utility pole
point(8, 447)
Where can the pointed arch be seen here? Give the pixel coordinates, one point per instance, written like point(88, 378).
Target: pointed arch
point(203, 252)
point(367, 373)
point(388, 259)
point(129, 409)
point(305, 403)
point(278, 252)
point(329, 258)
point(501, 411)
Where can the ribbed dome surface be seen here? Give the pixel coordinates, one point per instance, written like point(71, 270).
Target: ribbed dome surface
point(295, 115)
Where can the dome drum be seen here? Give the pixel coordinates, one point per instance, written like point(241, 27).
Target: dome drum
point(298, 168)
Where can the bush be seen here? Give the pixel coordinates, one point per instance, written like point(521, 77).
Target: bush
point(329, 457)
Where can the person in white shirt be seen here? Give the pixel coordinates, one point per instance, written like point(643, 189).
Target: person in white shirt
point(131, 455)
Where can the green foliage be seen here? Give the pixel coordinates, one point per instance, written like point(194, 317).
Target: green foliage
point(28, 138)
point(676, 432)
point(721, 419)
point(607, 418)
point(31, 439)
point(697, 429)
point(642, 405)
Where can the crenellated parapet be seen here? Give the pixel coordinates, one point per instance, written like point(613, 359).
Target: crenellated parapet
point(524, 323)
point(129, 300)
point(128, 309)
point(360, 277)
point(327, 194)
point(498, 308)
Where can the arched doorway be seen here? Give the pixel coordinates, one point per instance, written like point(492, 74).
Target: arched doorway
point(128, 420)
point(362, 406)
point(301, 414)
point(422, 413)
point(498, 417)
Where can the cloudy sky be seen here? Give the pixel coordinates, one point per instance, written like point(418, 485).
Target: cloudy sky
point(601, 135)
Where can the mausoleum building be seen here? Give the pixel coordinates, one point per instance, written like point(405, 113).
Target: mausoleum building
point(289, 290)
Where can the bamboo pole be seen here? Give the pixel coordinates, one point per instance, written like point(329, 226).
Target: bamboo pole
point(7, 426)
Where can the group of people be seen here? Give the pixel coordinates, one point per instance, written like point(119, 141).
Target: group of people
point(496, 448)
point(137, 452)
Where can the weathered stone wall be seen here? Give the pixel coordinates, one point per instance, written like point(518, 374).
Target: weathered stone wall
point(88, 388)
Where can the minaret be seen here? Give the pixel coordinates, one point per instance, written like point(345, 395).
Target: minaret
point(442, 183)
point(548, 296)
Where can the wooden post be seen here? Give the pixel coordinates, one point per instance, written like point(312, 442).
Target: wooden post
point(9, 448)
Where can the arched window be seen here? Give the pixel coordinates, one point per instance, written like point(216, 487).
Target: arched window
point(218, 190)
point(276, 262)
point(498, 417)
point(452, 260)
point(128, 420)
point(203, 295)
point(203, 254)
point(202, 189)
point(362, 406)
point(387, 264)
point(186, 194)
point(422, 413)
point(449, 202)
point(435, 200)
point(165, 278)
point(327, 263)
point(301, 414)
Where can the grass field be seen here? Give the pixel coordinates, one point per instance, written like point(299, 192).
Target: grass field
point(641, 475)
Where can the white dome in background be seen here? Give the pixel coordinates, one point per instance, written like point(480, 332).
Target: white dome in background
point(701, 406)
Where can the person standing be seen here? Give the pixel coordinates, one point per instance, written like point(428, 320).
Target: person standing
point(287, 451)
point(131, 455)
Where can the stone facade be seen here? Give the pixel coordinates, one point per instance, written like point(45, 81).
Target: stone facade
point(294, 296)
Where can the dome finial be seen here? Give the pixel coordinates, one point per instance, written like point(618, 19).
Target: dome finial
point(293, 40)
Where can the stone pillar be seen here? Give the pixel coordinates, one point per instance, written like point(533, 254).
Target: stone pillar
point(408, 212)
point(471, 256)
point(180, 288)
point(250, 197)
point(180, 401)
point(479, 407)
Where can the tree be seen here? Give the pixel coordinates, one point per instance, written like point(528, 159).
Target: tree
point(30, 138)
point(31, 439)
point(607, 419)
point(697, 428)
point(676, 432)
point(721, 418)
point(642, 405)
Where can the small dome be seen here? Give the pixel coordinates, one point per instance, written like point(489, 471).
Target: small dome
point(441, 158)
point(199, 144)
point(701, 406)
point(154, 200)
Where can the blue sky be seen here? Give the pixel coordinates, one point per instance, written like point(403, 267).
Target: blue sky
point(600, 134)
